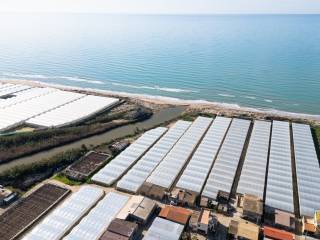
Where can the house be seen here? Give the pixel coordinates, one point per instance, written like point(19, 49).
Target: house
point(244, 229)
point(144, 211)
point(130, 207)
point(139, 209)
point(176, 214)
point(120, 229)
point(280, 219)
point(183, 197)
point(252, 207)
point(277, 234)
point(203, 221)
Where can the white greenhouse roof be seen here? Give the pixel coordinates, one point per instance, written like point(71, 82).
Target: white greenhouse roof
point(25, 96)
point(224, 170)
point(55, 225)
point(167, 171)
point(252, 179)
point(279, 193)
point(19, 113)
point(73, 112)
point(307, 169)
point(5, 85)
point(162, 229)
point(118, 166)
point(13, 89)
point(137, 175)
point(98, 219)
point(196, 172)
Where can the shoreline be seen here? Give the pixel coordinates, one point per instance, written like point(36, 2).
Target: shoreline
point(193, 105)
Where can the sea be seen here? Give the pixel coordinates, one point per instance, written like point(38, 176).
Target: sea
point(266, 62)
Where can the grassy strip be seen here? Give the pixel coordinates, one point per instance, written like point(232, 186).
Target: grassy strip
point(191, 116)
point(26, 175)
point(64, 179)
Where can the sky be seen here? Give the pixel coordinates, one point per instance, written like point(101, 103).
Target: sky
point(164, 6)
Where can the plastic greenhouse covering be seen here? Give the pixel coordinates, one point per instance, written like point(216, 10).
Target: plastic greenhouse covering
point(307, 169)
point(25, 96)
point(73, 112)
point(162, 229)
point(118, 166)
point(136, 176)
point(279, 193)
point(12, 90)
point(19, 113)
point(196, 172)
point(96, 222)
point(65, 216)
point(224, 170)
point(167, 171)
point(252, 179)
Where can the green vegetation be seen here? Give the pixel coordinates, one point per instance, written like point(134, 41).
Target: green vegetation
point(19, 145)
point(64, 179)
point(316, 136)
point(191, 116)
point(26, 175)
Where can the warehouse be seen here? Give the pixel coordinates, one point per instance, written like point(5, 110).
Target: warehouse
point(224, 170)
point(132, 181)
point(65, 216)
point(162, 229)
point(252, 179)
point(168, 170)
point(307, 170)
point(73, 112)
point(279, 194)
point(93, 225)
point(118, 166)
point(196, 172)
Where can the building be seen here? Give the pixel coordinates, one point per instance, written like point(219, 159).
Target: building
point(176, 214)
point(144, 211)
point(162, 229)
point(7, 196)
point(277, 234)
point(243, 229)
point(183, 197)
point(203, 221)
point(252, 207)
point(280, 219)
point(120, 229)
point(119, 146)
point(130, 207)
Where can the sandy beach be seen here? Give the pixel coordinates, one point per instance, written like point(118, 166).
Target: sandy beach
point(158, 102)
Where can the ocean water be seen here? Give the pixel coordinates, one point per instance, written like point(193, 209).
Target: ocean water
point(260, 61)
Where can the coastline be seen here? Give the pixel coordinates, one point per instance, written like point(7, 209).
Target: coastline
point(225, 109)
